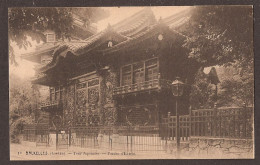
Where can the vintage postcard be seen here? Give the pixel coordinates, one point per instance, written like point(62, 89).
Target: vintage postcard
point(99, 83)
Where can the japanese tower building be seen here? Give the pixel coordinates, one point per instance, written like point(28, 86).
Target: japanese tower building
point(119, 76)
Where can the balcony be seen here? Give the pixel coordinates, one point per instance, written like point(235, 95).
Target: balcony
point(51, 105)
point(156, 84)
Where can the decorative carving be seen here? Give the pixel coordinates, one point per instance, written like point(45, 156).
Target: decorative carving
point(138, 115)
point(110, 82)
point(70, 105)
point(87, 99)
point(81, 85)
point(110, 116)
point(93, 119)
point(93, 95)
point(81, 97)
point(93, 82)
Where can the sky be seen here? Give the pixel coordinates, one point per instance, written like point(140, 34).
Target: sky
point(25, 68)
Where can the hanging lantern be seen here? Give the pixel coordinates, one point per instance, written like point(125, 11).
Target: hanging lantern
point(177, 87)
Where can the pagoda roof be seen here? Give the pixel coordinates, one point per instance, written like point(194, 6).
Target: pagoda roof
point(135, 23)
point(84, 46)
point(79, 27)
point(177, 20)
point(128, 32)
point(133, 27)
point(141, 37)
point(35, 56)
point(139, 23)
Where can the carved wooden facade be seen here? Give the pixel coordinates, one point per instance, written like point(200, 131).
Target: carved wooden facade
point(120, 76)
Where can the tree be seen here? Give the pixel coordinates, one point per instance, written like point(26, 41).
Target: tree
point(237, 86)
point(223, 36)
point(24, 22)
point(220, 35)
point(22, 104)
point(203, 92)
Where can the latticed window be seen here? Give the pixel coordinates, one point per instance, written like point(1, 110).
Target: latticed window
point(61, 93)
point(52, 94)
point(126, 75)
point(141, 71)
point(87, 97)
point(56, 93)
point(138, 69)
point(151, 69)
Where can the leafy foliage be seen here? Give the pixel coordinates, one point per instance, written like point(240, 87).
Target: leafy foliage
point(223, 36)
point(219, 35)
point(203, 92)
point(22, 105)
point(24, 22)
point(237, 87)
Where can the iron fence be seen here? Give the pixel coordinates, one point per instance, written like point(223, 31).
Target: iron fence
point(234, 123)
point(38, 133)
point(123, 138)
point(29, 132)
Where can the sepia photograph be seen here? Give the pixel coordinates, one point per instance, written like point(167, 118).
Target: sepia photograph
point(143, 82)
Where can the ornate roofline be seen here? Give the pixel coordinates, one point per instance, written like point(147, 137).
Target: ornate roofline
point(129, 36)
point(80, 47)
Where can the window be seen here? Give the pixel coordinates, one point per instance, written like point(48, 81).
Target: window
point(52, 94)
point(151, 69)
point(126, 75)
point(138, 69)
point(61, 93)
point(56, 93)
point(87, 97)
point(50, 37)
point(88, 92)
point(141, 71)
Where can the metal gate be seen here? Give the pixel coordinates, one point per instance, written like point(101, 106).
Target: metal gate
point(62, 140)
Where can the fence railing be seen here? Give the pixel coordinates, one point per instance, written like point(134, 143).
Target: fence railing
point(218, 122)
point(29, 132)
point(146, 85)
point(124, 138)
point(51, 104)
point(235, 123)
point(168, 127)
point(38, 133)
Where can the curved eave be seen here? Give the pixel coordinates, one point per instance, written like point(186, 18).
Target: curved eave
point(58, 54)
point(84, 31)
point(36, 56)
point(177, 19)
point(134, 23)
point(143, 36)
point(44, 80)
point(89, 45)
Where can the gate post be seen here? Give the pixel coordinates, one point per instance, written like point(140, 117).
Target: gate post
point(178, 150)
point(215, 120)
point(69, 131)
point(57, 141)
point(167, 130)
point(245, 120)
point(190, 122)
